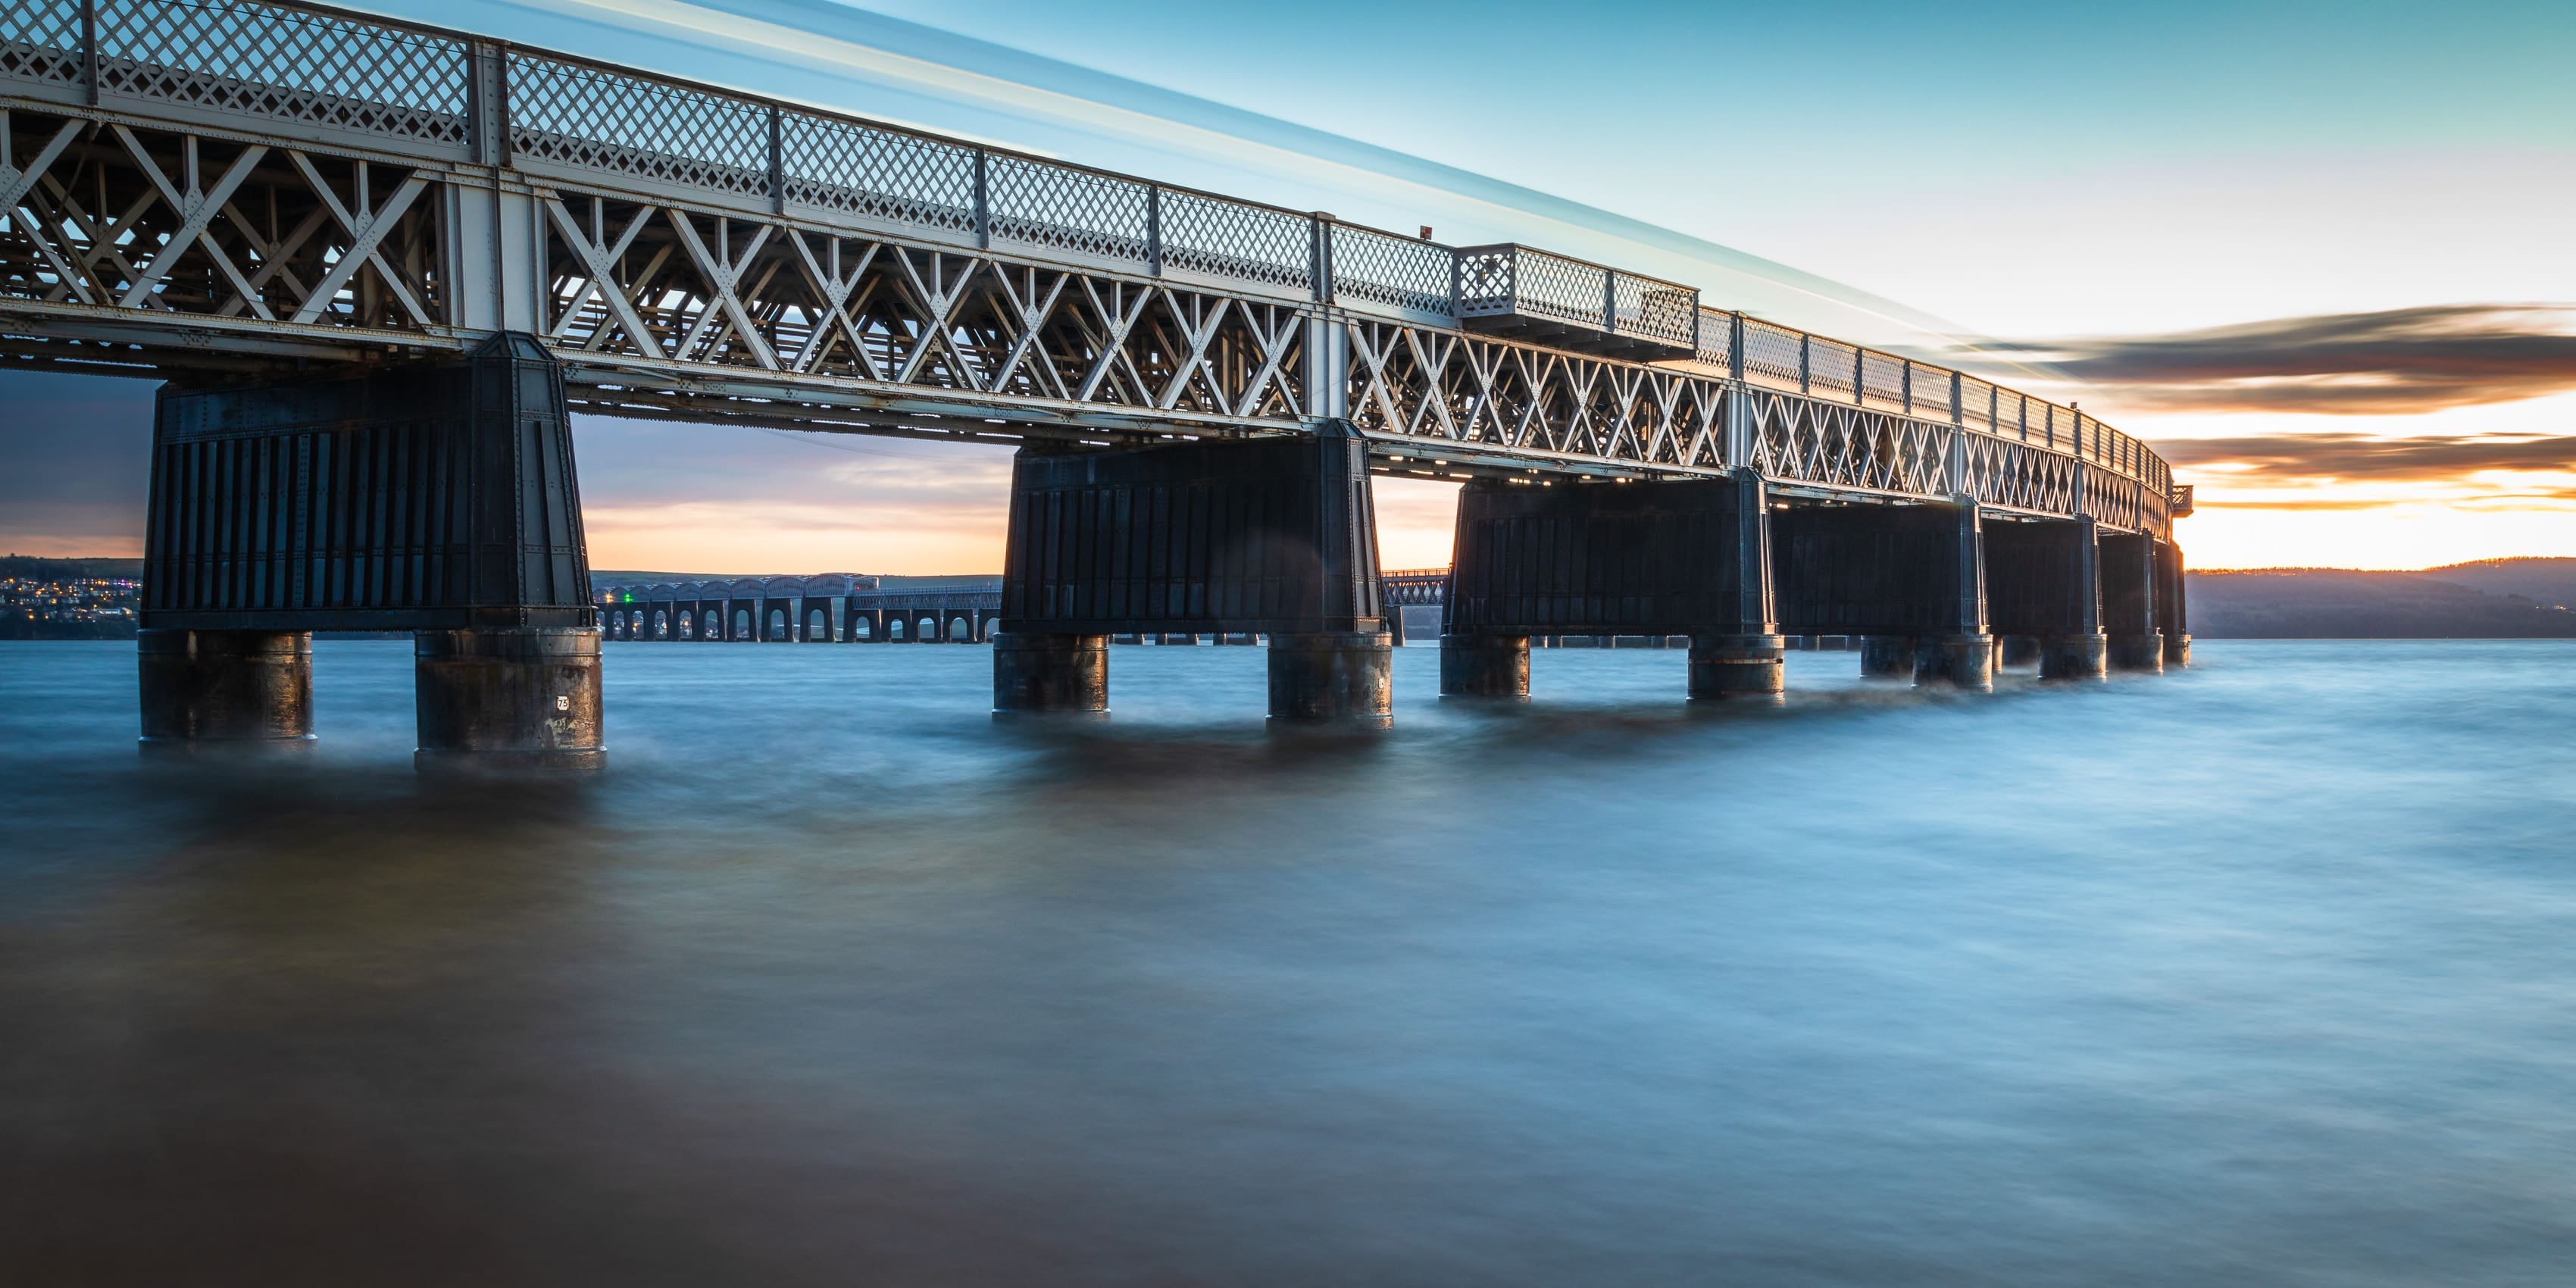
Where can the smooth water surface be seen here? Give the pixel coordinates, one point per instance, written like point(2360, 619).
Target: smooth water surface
point(2263, 973)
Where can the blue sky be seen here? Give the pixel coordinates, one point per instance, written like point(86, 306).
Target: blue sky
point(2088, 182)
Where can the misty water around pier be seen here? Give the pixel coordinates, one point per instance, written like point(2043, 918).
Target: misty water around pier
point(2255, 972)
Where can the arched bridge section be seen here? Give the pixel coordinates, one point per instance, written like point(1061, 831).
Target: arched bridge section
point(847, 608)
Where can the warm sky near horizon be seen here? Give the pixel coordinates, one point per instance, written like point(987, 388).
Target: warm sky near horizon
point(2317, 254)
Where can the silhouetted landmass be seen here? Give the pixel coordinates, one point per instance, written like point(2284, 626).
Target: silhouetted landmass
point(2543, 581)
point(2492, 598)
point(2464, 601)
point(33, 568)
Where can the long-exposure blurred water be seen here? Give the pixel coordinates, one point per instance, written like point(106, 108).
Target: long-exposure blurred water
point(2260, 973)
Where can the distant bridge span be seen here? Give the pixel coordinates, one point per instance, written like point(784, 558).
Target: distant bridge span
point(285, 206)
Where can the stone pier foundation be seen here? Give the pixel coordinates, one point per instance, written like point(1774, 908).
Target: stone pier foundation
point(226, 686)
point(1887, 657)
point(1332, 675)
point(1034, 672)
point(1959, 661)
point(1738, 666)
point(2139, 652)
point(2074, 657)
point(531, 693)
point(1485, 666)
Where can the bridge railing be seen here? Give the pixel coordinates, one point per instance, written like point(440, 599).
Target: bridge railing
point(1772, 356)
point(1518, 281)
point(409, 88)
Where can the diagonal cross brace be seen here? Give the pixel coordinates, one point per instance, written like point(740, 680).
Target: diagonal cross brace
point(725, 275)
point(196, 209)
point(601, 264)
point(367, 231)
point(836, 292)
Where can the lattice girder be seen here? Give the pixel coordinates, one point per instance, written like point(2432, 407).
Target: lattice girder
point(171, 223)
point(119, 217)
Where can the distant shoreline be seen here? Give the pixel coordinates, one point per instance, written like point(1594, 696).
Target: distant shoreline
point(2488, 599)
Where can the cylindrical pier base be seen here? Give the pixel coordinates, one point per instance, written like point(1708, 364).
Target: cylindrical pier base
point(1738, 666)
point(529, 694)
point(2020, 650)
point(2177, 649)
point(2137, 652)
point(1050, 672)
point(1960, 661)
point(2073, 657)
point(1887, 657)
point(1336, 675)
point(225, 686)
point(1484, 666)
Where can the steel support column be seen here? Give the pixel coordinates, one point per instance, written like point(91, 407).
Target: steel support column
point(436, 497)
point(2130, 621)
point(1910, 580)
point(2172, 620)
point(1608, 559)
point(1274, 535)
point(2044, 580)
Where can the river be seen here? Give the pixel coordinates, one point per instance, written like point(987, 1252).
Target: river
point(2260, 973)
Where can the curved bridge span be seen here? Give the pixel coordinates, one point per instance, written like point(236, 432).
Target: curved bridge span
point(380, 264)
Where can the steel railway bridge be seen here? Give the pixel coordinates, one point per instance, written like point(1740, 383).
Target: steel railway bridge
point(378, 265)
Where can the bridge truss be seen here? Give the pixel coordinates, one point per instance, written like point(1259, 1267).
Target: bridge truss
point(216, 185)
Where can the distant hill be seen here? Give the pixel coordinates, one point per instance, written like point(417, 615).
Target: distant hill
point(2492, 599)
point(2544, 581)
point(37, 568)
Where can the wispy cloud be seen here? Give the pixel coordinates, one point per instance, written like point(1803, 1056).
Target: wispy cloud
point(2336, 472)
point(2334, 457)
point(2395, 361)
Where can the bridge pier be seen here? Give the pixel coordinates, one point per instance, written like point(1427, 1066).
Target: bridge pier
point(225, 686)
point(1887, 657)
point(436, 497)
point(2171, 617)
point(1484, 666)
point(1332, 675)
point(1738, 666)
point(1271, 535)
point(1908, 579)
point(2044, 578)
point(1050, 672)
point(533, 693)
point(2129, 619)
point(1687, 557)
